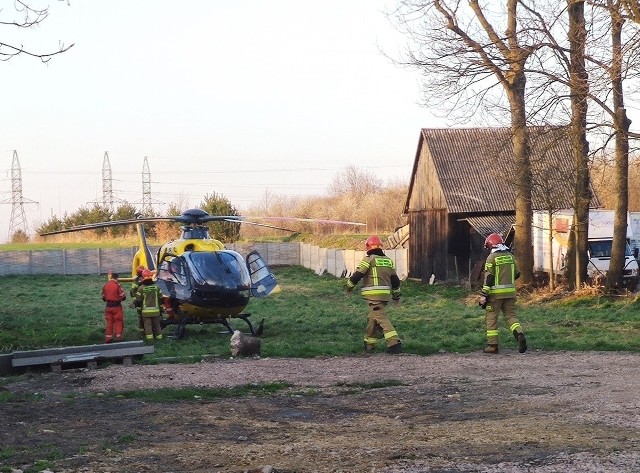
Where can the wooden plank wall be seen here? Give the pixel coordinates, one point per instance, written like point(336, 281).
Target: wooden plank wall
point(428, 243)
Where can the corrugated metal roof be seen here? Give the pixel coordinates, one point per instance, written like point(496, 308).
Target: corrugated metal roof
point(487, 224)
point(475, 167)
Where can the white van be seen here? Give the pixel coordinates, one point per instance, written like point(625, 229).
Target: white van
point(600, 243)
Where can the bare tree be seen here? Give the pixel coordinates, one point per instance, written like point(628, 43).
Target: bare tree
point(590, 72)
point(579, 87)
point(549, 194)
point(602, 173)
point(355, 181)
point(621, 125)
point(464, 58)
point(632, 9)
point(612, 58)
point(25, 16)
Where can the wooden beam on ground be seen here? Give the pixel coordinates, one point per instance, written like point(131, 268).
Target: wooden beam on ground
point(57, 357)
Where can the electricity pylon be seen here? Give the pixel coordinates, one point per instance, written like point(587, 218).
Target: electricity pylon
point(107, 184)
point(18, 219)
point(108, 200)
point(147, 201)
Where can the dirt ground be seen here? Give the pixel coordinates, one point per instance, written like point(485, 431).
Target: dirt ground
point(542, 412)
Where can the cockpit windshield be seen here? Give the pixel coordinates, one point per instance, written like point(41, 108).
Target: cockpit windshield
point(219, 268)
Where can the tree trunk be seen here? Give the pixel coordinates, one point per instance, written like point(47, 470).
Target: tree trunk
point(524, 214)
point(621, 127)
point(579, 84)
point(552, 276)
point(618, 249)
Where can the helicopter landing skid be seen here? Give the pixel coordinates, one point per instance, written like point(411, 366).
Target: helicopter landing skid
point(244, 317)
point(182, 324)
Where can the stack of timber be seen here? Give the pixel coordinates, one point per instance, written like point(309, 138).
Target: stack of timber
point(399, 238)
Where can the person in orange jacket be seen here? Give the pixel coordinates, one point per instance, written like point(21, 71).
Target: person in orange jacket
point(113, 294)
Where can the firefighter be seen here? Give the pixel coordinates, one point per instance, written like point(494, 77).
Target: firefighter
point(134, 289)
point(499, 293)
point(380, 284)
point(113, 294)
point(148, 298)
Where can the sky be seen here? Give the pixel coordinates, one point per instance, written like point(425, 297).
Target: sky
point(245, 98)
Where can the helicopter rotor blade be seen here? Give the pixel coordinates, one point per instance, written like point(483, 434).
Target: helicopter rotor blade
point(311, 220)
point(200, 217)
point(114, 223)
point(257, 224)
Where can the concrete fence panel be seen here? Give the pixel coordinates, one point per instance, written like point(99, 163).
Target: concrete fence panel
point(16, 262)
point(335, 264)
point(305, 255)
point(48, 262)
point(275, 254)
point(101, 261)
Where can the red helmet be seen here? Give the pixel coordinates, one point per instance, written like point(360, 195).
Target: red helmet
point(140, 269)
point(373, 242)
point(493, 240)
point(146, 274)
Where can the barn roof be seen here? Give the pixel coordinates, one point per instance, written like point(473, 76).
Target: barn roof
point(487, 224)
point(474, 167)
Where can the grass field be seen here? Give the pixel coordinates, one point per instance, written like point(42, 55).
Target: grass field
point(313, 316)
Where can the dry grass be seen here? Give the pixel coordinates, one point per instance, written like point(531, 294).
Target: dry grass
point(530, 295)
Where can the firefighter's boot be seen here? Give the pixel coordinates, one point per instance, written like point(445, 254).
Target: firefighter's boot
point(369, 348)
point(395, 349)
point(491, 349)
point(522, 342)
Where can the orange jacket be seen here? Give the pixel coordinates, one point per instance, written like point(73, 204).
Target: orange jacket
point(112, 293)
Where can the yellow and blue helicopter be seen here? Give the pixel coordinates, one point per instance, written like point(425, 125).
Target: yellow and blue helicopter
point(201, 281)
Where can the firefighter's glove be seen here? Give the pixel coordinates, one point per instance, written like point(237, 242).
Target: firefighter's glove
point(483, 300)
point(349, 286)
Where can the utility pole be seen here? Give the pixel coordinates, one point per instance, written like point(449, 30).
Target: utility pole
point(18, 219)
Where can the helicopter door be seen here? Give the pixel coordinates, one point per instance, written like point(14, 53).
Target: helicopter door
point(262, 280)
point(173, 278)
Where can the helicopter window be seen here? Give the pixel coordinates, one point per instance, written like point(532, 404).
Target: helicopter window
point(220, 268)
point(173, 271)
point(257, 267)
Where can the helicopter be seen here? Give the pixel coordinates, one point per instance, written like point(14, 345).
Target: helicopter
point(201, 281)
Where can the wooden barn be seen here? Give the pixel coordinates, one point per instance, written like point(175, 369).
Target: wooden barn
point(461, 190)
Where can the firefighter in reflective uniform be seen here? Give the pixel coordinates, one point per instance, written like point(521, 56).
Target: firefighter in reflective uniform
point(148, 297)
point(380, 284)
point(134, 289)
point(499, 293)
